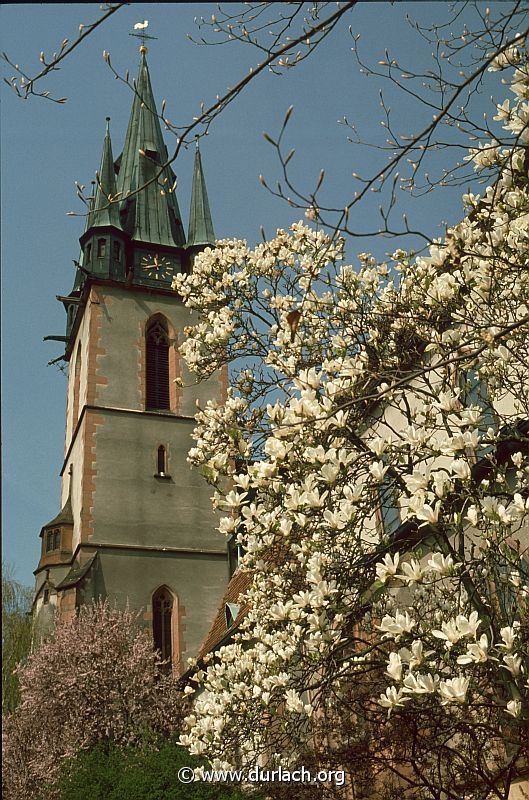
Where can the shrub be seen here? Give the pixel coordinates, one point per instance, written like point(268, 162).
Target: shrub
point(111, 773)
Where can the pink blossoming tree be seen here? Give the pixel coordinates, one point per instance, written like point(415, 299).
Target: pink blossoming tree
point(97, 680)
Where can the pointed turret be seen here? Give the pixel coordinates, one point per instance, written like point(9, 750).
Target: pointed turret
point(104, 212)
point(103, 242)
point(200, 231)
point(152, 215)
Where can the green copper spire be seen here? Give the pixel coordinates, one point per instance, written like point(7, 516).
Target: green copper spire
point(200, 222)
point(152, 215)
point(103, 212)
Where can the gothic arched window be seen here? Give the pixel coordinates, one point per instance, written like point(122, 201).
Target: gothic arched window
point(162, 617)
point(157, 365)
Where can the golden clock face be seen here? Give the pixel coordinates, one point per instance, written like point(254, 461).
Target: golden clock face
point(157, 267)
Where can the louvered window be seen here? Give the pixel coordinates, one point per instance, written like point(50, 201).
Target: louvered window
point(157, 366)
point(162, 612)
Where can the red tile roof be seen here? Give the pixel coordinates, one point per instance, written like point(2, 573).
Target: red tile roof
point(239, 583)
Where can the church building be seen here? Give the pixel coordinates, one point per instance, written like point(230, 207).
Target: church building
point(136, 524)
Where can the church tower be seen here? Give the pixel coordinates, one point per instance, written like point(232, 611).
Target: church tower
point(136, 524)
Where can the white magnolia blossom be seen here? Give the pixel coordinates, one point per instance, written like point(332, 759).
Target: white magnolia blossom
point(413, 571)
point(454, 690)
point(394, 626)
point(441, 564)
point(394, 668)
point(477, 652)
point(415, 656)
point(514, 708)
point(369, 458)
point(513, 663)
point(415, 683)
point(388, 567)
point(393, 698)
point(508, 634)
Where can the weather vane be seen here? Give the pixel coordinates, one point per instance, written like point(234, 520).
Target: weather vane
point(143, 35)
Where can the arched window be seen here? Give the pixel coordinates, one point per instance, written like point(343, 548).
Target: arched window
point(162, 616)
point(157, 365)
point(101, 248)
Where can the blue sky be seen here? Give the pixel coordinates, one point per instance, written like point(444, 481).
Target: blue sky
point(46, 147)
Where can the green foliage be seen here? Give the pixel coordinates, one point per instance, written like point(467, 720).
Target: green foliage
point(16, 635)
point(132, 773)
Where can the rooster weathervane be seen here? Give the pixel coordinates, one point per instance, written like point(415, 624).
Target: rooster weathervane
point(142, 34)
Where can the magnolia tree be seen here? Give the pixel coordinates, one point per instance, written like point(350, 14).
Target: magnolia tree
point(97, 681)
point(372, 460)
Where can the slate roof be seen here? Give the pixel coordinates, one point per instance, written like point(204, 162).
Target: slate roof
point(200, 230)
point(64, 517)
point(153, 214)
point(76, 574)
